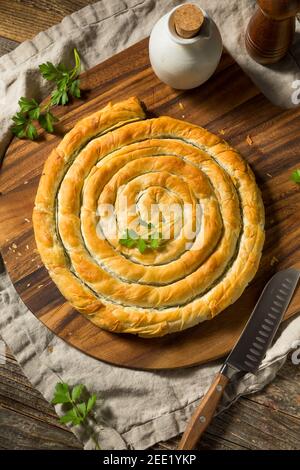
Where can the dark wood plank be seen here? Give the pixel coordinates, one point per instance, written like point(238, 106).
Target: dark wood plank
point(6, 45)
point(20, 432)
point(16, 18)
point(24, 432)
point(258, 427)
point(27, 421)
point(283, 394)
point(215, 106)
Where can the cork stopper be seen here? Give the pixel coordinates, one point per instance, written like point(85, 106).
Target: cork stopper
point(188, 20)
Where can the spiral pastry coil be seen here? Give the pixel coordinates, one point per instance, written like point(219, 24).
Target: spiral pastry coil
point(117, 155)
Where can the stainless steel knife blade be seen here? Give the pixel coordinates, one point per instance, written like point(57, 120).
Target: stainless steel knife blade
point(261, 327)
point(248, 352)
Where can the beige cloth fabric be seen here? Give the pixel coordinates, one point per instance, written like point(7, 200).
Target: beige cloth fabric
point(139, 408)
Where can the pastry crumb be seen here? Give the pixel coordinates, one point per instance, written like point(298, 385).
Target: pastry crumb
point(222, 131)
point(180, 105)
point(28, 285)
point(50, 348)
point(25, 182)
point(27, 247)
point(249, 140)
point(274, 260)
point(40, 286)
point(14, 246)
point(183, 116)
point(19, 254)
point(26, 220)
point(269, 175)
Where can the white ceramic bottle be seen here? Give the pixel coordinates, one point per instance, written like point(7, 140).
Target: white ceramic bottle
point(184, 63)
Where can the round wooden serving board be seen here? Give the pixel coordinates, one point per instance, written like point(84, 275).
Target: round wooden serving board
point(228, 104)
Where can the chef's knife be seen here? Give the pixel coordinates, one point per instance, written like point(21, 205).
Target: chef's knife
point(249, 350)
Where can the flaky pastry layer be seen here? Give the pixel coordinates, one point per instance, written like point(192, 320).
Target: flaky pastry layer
point(118, 155)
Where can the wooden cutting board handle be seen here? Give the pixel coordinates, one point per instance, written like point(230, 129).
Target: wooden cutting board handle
point(204, 413)
point(271, 30)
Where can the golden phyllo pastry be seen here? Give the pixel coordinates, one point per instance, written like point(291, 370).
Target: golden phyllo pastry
point(184, 262)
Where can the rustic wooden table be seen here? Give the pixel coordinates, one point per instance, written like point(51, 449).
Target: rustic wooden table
point(266, 420)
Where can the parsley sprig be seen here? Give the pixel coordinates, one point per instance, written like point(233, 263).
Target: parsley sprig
point(131, 239)
point(30, 112)
point(78, 410)
point(77, 402)
point(66, 81)
point(295, 176)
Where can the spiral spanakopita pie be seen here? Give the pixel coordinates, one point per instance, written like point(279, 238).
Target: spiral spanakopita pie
point(173, 269)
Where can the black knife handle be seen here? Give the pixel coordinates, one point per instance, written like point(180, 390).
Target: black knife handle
point(204, 413)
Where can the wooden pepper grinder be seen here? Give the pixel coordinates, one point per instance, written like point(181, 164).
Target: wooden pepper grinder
point(271, 30)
